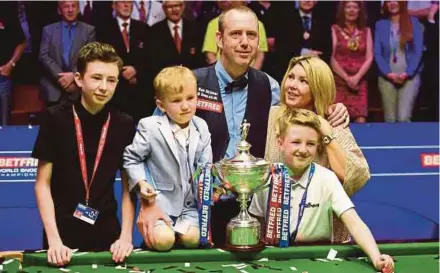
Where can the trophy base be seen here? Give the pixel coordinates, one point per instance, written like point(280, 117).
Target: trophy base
point(253, 248)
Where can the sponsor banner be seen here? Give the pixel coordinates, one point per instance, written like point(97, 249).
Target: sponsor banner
point(430, 160)
point(18, 168)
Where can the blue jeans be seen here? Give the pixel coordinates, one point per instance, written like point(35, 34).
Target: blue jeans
point(5, 92)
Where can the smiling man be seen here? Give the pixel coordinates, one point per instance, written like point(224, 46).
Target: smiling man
point(79, 149)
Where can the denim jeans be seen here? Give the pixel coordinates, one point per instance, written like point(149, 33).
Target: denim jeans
point(5, 91)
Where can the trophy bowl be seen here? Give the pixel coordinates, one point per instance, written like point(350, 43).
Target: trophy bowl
point(244, 175)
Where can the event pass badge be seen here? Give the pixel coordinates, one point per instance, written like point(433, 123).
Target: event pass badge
point(86, 214)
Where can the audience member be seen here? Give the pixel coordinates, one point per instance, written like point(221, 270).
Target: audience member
point(210, 47)
point(11, 47)
point(398, 49)
point(352, 57)
point(301, 32)
point(60, 44)
point(128, 37)
point(92, 12)
point(175, 39)
point(309, 84)
point(148, 11)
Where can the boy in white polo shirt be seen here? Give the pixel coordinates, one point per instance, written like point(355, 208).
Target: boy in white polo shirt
point(299, 138)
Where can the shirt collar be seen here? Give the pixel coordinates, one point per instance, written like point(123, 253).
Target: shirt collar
point(223, 77)
point(64, 24)
point(84, 114)
point(121, 21)
point(171, 24)
point(303, 180)
point(301, 13)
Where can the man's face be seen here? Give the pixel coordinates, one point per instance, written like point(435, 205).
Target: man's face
point(173, 10)
point(68, 10)
point(123, 9)
point(307, 6)
point(239, 41)
point(98, 83)
point(180, 107)
point(299, 146)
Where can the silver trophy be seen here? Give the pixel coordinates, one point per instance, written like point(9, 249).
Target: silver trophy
point(245, 175)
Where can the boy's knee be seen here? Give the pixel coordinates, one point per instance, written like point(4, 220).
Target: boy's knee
point(192, 238)
point(164, 237)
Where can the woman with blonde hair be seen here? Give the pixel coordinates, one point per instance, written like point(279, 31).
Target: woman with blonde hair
point(309, 84)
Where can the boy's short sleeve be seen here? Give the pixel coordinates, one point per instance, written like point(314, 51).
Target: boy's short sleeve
point(340, 201)
point(45, 143)
point(258, 205)
point(262, 43)
point(210, 42)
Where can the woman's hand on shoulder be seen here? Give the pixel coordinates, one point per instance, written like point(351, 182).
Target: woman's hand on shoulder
point(337, 115)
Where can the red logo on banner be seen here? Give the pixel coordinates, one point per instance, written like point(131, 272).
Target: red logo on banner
point(430, 160)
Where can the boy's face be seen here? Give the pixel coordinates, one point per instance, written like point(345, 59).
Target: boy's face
point(98, 83)
point(299, 146)
point(180, 107)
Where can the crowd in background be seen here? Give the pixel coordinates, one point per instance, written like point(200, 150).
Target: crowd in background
point(384, 54)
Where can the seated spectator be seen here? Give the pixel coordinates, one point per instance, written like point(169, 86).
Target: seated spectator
point(11, 47)
point(298, 139)
point(128, 37)
point(210, 48)
point(175, 39)
point(351, 58)
point(398, 48)
point(309, 34)
point(60, 44)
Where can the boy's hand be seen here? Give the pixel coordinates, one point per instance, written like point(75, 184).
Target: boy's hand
point(121, 249)
point(337, 114)
point(147, 192)
point(384, 263)
point(147, 218)
point(59, 254)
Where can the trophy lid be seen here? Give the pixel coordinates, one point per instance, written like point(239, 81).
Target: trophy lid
point(244, 159)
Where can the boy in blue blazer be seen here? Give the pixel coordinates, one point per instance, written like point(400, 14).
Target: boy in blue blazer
point(170, 147)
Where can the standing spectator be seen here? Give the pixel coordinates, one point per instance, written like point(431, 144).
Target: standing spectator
point(60, 44)
point(91, 12)
point(398, 48)
point(128, 36)
point(352, 57)
point(175, 39)
point(309, 34)
point(11, 47)
point(147, 11)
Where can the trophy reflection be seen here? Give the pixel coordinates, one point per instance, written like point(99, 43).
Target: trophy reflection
point(247, 175)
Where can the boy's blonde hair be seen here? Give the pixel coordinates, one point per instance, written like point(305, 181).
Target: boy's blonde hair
point(290, 116)
point(172, 80)
point(320, 80)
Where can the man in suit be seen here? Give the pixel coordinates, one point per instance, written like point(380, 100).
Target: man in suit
point(60, 44)
point(175, 39)
point(91, 12)
point(127, 36)
point(147, 11)
point(309, 35)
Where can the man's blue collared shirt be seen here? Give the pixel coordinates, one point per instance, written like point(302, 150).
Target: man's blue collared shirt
point(235, 105)
point(67, 37)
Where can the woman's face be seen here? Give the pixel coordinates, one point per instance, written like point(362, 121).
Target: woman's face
point(351, 11)
point(393, 7)
point(296, 89)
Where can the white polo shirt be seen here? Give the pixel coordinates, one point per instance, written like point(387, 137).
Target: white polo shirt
point(325, 196)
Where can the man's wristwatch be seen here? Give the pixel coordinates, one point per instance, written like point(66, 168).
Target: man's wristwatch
point(327, 139)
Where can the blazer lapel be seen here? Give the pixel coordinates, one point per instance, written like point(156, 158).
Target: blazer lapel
point(194, 136)
point(167, 134)
point(76, 44)
point(57, 40)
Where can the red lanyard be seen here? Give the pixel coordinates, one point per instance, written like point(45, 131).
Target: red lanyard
point(81, 150)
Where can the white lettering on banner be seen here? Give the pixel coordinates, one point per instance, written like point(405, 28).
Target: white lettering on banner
point(430, 160)
point(286, 220)
point(14, 162)
point(18, 167)
point(204, 226)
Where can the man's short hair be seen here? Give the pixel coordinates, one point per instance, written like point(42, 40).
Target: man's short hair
point(292, 116)
point(172, 80)
point(243, 9)
point(96, 51)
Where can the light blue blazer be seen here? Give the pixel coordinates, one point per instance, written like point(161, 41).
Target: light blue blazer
point(382, 48)
point(155, 148)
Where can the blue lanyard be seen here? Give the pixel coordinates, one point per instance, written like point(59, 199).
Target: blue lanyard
point(302, 204)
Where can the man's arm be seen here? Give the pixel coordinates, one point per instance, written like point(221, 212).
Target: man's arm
point(210, 57)
point(44, 57)
point(258, 63)
point(57, 253)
